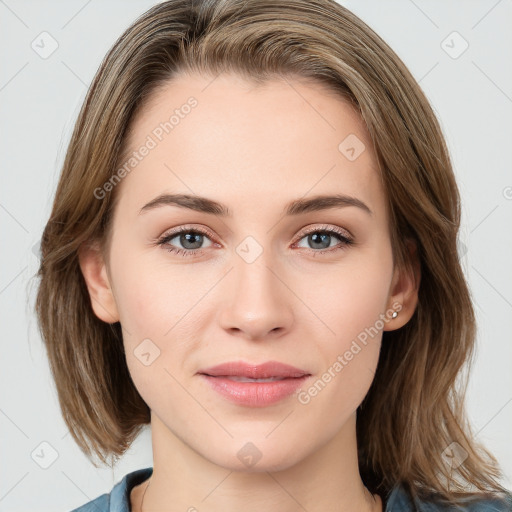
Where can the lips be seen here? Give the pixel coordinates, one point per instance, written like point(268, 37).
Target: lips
point(254, 385)
point(241, 370)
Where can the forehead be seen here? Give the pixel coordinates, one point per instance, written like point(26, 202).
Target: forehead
point(233, 140)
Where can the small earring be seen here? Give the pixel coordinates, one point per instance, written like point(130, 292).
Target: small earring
point(395, 314)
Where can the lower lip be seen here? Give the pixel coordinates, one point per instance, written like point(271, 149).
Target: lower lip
point(255, 394)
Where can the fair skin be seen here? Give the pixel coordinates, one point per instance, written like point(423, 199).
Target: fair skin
point(253, 149)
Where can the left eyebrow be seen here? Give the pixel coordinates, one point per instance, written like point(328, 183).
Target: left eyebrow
point(324, 203)
point(295, 207)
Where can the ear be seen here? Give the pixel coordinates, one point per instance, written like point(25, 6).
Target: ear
point(94, 271)
point(404, 288)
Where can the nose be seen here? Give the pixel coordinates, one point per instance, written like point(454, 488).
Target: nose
point(259, 300)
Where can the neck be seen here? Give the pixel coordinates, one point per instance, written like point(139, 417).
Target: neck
point(327, 479)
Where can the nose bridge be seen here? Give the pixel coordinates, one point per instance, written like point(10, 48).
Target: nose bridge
point(252, 271)
point(252, 267)
point(258, 302)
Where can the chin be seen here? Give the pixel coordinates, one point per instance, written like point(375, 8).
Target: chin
point(257, 456)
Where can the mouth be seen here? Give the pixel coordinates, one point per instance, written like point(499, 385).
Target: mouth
point(254, 385)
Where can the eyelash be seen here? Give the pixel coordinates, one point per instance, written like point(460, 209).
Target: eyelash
point(345, 241)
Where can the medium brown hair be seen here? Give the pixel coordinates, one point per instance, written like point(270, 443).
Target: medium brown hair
point(414, 409)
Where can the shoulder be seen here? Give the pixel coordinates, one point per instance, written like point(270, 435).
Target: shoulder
point(399, 500)
point(118, 499)
point(99, 504)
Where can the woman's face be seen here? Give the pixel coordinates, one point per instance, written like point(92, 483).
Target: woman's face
point(270, 279)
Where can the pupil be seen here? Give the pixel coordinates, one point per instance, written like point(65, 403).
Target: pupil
point(314, 238)
point(186, 238)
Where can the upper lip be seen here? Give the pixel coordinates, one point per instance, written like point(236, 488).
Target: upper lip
point(255, 371)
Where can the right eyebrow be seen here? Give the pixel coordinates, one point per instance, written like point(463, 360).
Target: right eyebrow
point(200, 204)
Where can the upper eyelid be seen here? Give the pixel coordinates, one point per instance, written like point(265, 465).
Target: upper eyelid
point(185, 229)
point(335, 229)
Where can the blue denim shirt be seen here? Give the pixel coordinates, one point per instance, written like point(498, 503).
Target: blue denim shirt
point(118, 500)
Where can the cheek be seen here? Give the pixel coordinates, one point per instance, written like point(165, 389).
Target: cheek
point(156, 307)
point(148, 296)
point(347, 300)
point(349, 304)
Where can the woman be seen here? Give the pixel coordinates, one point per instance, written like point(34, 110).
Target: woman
point(302, 352)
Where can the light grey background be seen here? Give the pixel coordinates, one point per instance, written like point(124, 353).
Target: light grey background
point(39, 101)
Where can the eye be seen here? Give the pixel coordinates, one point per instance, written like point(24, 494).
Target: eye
point(320, 240)
point(191, 240)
